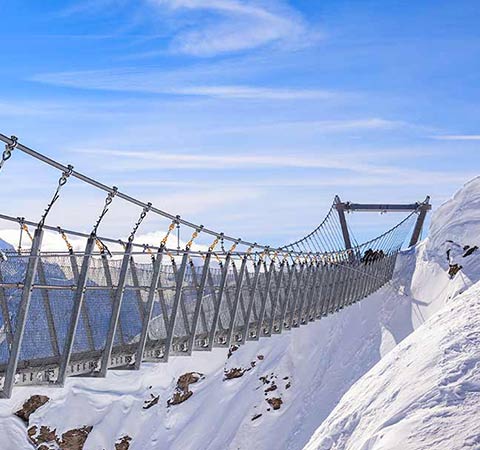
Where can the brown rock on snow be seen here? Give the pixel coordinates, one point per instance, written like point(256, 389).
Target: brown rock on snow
point(236, 372)
point(75, 439)
point(182, 391)
point(45, 435)
point(32, 431)
point(454, 269)
point(179, 397)
point(275, 402)
point(185, 380)
point(152, 402)
point(232, 349)
point(272, 388)
point(30, 406)
point(264, 380)
point(71, 440)
point(469, 250)
point(123, 443)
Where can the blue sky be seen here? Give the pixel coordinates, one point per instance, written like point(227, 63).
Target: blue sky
point(246, 116)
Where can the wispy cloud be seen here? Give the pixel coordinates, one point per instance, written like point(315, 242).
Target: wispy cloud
point(412, 177)
point(366, 168)
point(458, 137)
point(235, 25)
point(328, 126)
point(90, 7)
point(180, 83)
point(205, 28)
point(251, 92)
point(152, 159)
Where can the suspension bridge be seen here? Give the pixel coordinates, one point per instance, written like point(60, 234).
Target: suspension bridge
point(117, 303)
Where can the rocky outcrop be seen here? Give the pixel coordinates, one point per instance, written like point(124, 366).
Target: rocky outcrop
point(182, 391)
point(30, 406)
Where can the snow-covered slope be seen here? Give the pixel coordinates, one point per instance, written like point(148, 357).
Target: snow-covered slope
point(425, 394)
point(309, 368)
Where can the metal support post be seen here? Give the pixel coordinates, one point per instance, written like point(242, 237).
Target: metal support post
point(198, 305)
point(286, 299)
point(180, 278)
point(147, 317)
point(78, 306)
point(236, 301)
point(22, 314)
point(221, 292)
point(276, 299)
point(343, 222)
point(253, 290)
point(116, 308)
point(265, 296)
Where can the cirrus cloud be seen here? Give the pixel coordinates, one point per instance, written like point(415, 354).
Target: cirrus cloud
point(223, 26)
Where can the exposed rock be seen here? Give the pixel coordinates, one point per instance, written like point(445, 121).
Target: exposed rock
point(256, 416)
point(75, 439)
point(454, 269)
point(275, 402)
point(185, 380)
point(272, 388)
point(179, 397)
point(260, 357)
point(123, 443)
point(30, 406)
point(288, 385)
point(233, 348)
point(235, 372)
point(182, 391)
point(71, 440)
point(47, 435)
point(469, 250)
point(264, 380)
point(152, 402)
point(32, 431)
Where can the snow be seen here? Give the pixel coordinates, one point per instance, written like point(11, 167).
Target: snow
point(424, 394)
point(391, 347)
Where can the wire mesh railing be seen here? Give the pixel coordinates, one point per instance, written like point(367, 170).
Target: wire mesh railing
point(89, 312)
point(119, 303)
